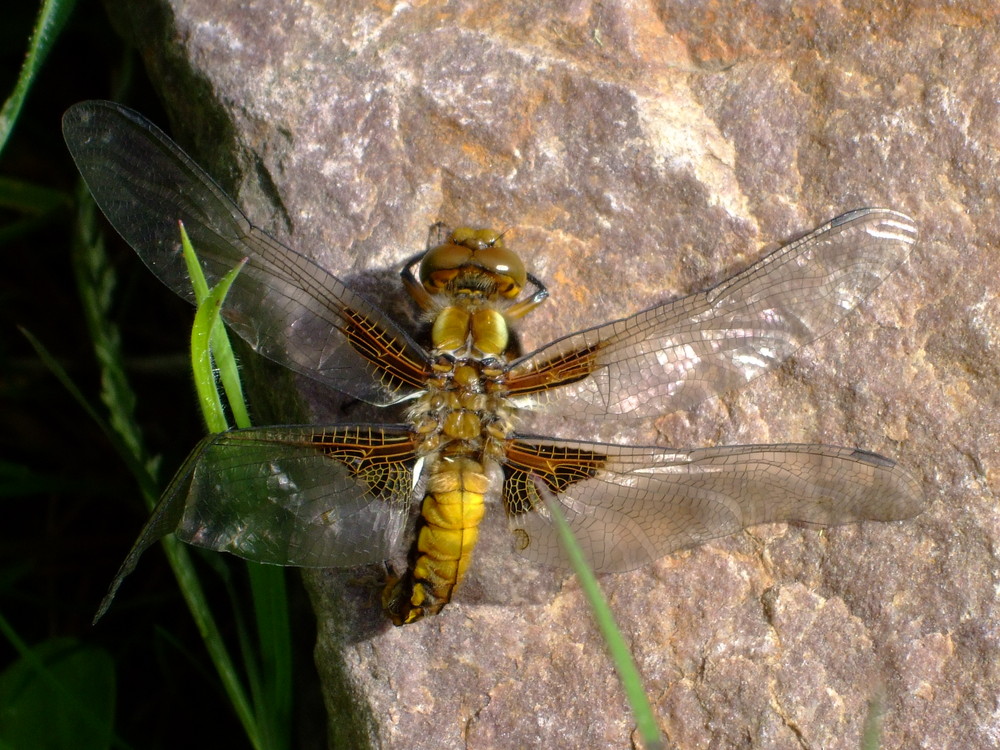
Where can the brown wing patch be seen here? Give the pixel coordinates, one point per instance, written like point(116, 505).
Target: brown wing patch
point(388, 355)
point(562, 369)
point(379, 458)
point(558, 466)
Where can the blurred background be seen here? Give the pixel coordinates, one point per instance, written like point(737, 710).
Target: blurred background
point(72, 507)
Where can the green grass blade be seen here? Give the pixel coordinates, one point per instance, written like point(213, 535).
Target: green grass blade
point(51, 19)
point(274, 637)
point(31, 198)
point(197, 603)
point(617, 648)
point(35, 206)
point(229, 375)
point(96, 284)
point(269, 665)
point(871, 734)
point(216, 348)
point(205, 321)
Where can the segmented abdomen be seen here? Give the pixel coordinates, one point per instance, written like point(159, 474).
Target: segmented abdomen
point(446, 535)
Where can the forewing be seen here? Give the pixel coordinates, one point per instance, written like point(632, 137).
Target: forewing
point(628, 506)
point(674, 355)
point(307, 496)
point(283, 304)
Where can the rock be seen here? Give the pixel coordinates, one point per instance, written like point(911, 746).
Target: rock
point(635, 154)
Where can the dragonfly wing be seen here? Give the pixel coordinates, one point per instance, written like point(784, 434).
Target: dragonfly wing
point(283, 304)
point(674, 355)
point(628, 505)
point(308, 496)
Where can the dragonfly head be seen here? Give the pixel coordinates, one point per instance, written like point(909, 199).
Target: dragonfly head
point(473, 262)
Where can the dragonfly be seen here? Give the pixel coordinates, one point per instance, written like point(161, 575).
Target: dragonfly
point(344, 495)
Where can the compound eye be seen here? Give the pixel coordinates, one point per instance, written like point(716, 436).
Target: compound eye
point(473, 260)
point(441, 264)
point(505, 266)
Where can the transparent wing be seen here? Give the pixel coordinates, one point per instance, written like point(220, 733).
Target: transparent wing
point(629, 506)
point(309, 496)
point(284, 305)
point(672, 356)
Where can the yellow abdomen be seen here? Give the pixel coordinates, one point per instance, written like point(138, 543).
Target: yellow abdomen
point(446, 535)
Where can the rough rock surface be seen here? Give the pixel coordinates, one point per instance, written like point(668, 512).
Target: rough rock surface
point(637, 152)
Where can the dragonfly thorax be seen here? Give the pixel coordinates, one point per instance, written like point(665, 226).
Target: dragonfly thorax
point(462, 331)
point(465, 406)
